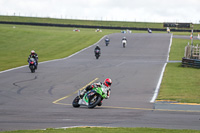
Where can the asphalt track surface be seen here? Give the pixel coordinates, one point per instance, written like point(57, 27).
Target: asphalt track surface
point(43, 99)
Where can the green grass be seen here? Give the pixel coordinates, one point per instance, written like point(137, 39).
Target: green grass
point(180, 84)
point(81, 22)
point(178, 48)
point(48, 42)
point(105, 130)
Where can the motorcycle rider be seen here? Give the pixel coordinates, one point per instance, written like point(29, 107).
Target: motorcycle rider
point(35, 56)
point(124, 41)
point(97, 48)
point(105, 86)
point(124, 38)
point(107, 40)
point(149, 30)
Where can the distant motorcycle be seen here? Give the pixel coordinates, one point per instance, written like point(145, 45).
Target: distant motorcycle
point(32, 64)
point(149, 30)
point(97, 53)
point(124, 43)
point(107, 41)
point(91, 99)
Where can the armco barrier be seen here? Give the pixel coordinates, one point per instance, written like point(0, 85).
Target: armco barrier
point(190, 63)
point(90, 26)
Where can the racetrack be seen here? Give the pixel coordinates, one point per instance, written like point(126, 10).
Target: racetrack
point(43, 99)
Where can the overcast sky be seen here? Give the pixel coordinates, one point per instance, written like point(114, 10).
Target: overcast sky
point(120, 10)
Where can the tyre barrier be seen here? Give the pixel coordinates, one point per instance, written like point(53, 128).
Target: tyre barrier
point(195, 63)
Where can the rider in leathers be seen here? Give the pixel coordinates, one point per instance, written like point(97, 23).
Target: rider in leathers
point(97, 48)
point(33, 55)
point(124, 38)
point(104, 86)
point(107, 40)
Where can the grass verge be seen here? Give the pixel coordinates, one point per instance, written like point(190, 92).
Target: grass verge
point(105, 130)
point(180, 84)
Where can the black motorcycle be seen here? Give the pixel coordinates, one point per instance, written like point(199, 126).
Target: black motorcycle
point(97, 53)
point(32, 64)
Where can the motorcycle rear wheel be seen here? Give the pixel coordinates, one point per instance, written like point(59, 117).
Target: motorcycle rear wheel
point(124, 45)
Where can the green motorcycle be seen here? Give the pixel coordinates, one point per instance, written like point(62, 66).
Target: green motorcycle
point(90, 99)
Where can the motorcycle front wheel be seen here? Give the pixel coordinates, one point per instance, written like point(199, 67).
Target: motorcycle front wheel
point(94, 101)
point(97, 56)
point(75, 102)
point(32, 69)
